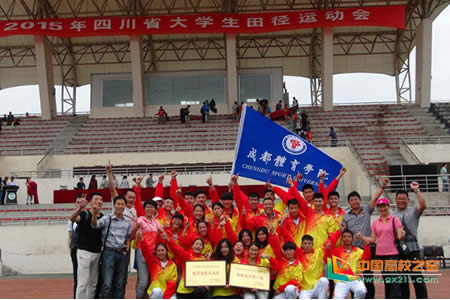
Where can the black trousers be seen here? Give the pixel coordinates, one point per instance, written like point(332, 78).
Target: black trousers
point(420, 288)
point(392, 287)
point(73, 256)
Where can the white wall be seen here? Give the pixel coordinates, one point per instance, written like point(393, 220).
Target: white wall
point(355, 179)
point(432, 153)
point(38, 249)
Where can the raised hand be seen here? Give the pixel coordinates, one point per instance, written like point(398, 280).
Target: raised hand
point(268, 185)
point(174, 174)
point(299, 176)
point(161, 178)
point(178, 192)
point(234, 179)
point(343, 171)
point(322, 176)
point(209, 180)
point(385, 182)
point(415, 186)
point(139, 180)
point(108, 167)
point(163, 235)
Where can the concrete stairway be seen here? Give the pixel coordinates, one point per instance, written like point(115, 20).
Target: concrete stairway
point(432, 126)
point(68, 133)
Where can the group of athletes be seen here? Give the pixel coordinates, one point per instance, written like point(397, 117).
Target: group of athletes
point(293, 236)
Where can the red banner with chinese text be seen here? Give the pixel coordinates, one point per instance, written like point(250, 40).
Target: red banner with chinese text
point(385, 16)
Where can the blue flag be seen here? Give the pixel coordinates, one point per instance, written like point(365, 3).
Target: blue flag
point(268, 151)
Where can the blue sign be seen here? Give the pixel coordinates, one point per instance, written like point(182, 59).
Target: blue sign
point(268, 151)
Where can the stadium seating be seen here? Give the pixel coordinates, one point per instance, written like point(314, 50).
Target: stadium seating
point(32, 137)
point(441, 111)
point(374, 131)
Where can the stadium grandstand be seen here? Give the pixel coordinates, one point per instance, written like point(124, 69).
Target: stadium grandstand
point(132, 74)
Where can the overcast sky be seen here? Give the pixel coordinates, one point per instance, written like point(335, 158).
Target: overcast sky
point(355, 87)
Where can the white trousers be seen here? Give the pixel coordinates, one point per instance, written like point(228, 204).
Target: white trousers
point(157, 293)
point(318, 292)
point(256, 295)
point(290, 292)
point(341, 289)
point(87, 274)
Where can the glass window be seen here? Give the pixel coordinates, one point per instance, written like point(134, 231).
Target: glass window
point(117, 93)
point(253, 86)
point(185, 89)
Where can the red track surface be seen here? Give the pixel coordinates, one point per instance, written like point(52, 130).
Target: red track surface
point(61, 287)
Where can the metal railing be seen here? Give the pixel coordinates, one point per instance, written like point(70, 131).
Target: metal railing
point(409, 151)
point(139, 170)
point(51, 173)
point(93, 149)
point(445, 139)
point(427, 182)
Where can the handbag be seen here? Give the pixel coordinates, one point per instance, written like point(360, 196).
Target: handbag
point(401, 246)
point(100, 263)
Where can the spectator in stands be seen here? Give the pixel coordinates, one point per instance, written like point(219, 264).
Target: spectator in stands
point(3, 185)
point(384, 235)
point(298, 126)
point(116, 249)
point(212, 106)
point(187, 116)
point(182, 115)
point(104, 183)
point(32, 192)
point(93, 183)
point(279, 106)
point(115, 182)
point(241, 106)
point(309, 136)
point(10, 119)
point(334, 137)
point(149, 182)
point(73, 239)
point(358, 220)
point(80, 184)
point(294, 102)
point(235, 110)
point(444, 176)
point(409, 216)
point(89, 244)
point(162, 115)
point(1, 191)
point(305, 117)
point(294, 121)
point(205, 111)
point(124, 183)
